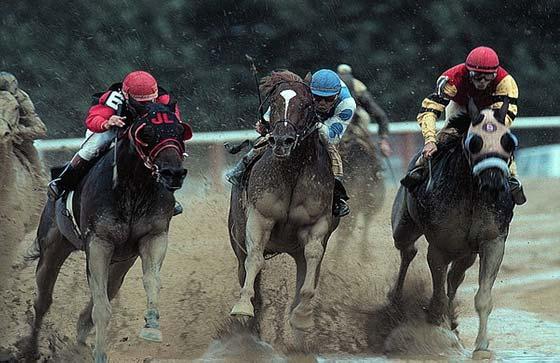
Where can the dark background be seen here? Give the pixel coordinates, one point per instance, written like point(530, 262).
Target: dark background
point(64, 51)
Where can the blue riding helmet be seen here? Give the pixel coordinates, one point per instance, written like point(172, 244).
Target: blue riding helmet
point(325, 83)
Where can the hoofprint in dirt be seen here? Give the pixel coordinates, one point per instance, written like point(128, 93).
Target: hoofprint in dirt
point(200, 284)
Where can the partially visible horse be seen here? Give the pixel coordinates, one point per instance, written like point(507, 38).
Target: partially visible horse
point(120, 216)
point(463, 210)
point(363, 177)
point(285, 203)
point(22, 185)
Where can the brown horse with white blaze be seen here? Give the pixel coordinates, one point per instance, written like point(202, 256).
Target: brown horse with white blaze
point(285, 202)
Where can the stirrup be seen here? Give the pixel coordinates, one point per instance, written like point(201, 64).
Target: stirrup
point(235, 175)
point(414, 177)
point(341, 208)
point(516, 190)
point(53, 189)
point(177, 209)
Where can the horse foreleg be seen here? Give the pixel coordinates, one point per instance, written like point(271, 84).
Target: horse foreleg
point(314, 250)
point(152, 253)
point(99, 254)
point(117, 272)
point(438, 263)
point(301, 268)
point(257, 235)
point(51, 260)
point(405, 234)
point(455, 277)
point(491, 255)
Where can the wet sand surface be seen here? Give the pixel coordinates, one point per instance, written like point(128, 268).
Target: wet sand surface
point(199, 279)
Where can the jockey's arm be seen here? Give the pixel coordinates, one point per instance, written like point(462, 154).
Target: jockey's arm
point(507, 88)
point(432, 108)
point(334, 127)
point(97, 117)
point(102, 110)
point(365, 98)
point(30, 126)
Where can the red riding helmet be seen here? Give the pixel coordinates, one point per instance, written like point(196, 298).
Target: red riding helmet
point(482, 59)
point(140, 85)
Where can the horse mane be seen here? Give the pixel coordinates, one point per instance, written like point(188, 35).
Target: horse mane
point(268, 83)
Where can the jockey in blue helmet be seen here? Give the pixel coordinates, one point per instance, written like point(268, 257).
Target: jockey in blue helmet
point(335, 107)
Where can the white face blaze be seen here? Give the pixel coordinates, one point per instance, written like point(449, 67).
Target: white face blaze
point(287, 95)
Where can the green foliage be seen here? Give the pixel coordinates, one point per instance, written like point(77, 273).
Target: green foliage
point(64, 51)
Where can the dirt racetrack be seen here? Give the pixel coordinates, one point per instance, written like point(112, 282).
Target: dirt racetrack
point(200, 287)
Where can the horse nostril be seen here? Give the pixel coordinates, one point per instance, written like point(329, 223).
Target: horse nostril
point(7, 133)
point(271, 140)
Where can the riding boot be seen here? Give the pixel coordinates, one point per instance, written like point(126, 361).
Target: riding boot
point(74, 171)
point(516, 189)
point(340, 207)
point(414, 176)
point(235, 175)
point(178, 209)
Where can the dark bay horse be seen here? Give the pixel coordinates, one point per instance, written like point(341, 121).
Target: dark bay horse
point(465, 212)
point(285, 204)
point(119, 220)
point(363, 177)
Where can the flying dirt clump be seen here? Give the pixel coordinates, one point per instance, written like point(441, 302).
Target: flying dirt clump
point(400, 327)
point(238, 341)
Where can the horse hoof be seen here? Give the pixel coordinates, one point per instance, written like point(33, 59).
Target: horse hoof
point(151, 335)
point(100, 357)
point(301, 322)
point(482, 354)
point(243, 309)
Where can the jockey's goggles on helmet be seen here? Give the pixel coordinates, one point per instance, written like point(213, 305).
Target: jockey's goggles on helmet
point(318, 99)
point(479, 76)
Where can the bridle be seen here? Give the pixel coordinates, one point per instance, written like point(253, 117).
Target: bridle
point(301, 134)
point(148, 156)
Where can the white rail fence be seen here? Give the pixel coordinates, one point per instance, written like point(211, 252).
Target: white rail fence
point(534, 162)
point(240, 135)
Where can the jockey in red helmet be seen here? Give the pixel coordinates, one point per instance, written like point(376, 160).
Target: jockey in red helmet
point(107, 113)
point(480, 78)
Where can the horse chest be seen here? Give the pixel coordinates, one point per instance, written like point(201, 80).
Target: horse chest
point(300, 205)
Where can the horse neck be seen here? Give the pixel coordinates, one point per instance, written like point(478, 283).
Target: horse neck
point(132, 175)
point(307, 152)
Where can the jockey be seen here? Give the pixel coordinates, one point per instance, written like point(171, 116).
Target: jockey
point(335, 108)
point(480, 78)
point(31, 125)
point(366, 106)
point(102, 122)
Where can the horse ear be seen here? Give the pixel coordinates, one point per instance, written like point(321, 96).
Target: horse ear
point(502, 112)
point(473, 112)
point(307, 79)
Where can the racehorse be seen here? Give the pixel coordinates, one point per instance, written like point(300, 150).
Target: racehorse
point(121, 210)
point(22, 184)
point(464, 209)
point(363, 176)
point(284, 204)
